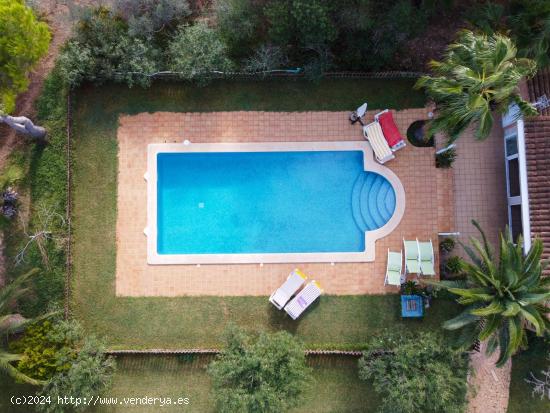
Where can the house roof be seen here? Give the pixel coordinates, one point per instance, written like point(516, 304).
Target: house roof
point(537, 150)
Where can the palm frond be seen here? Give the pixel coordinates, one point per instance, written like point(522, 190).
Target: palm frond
point(13, 290)
point(7, 368)
point(461, 320)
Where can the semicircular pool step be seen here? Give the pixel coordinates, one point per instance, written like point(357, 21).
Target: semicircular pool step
point(389, 201)
point(373, 202)
point(356, 201)
point(364, 196)
point(377, 201)
point(381, 202)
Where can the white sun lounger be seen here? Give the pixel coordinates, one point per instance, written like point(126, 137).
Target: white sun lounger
point(293, 283)
point(303, 299)
point(382, 151)
point(412, 257)
point(427, 259)
point(394, 268)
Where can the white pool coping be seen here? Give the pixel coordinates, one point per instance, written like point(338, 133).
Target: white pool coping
point(370, 165)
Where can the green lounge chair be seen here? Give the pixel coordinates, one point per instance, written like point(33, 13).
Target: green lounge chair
point(394, 269)
point(427, 261)
point(412, 257)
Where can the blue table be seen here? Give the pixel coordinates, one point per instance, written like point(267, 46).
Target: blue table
point(412, 306)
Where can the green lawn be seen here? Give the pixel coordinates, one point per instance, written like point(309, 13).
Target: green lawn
point(343, 322)
point(533, 360)
point(335, 388)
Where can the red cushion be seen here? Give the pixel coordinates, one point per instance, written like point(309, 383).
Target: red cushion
point(389, 128)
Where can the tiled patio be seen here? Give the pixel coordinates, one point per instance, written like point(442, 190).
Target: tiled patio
point(480, 185)
point(429, 206)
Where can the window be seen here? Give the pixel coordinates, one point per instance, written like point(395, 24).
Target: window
point(515, 221)
point(511, 145)
point(513, 178)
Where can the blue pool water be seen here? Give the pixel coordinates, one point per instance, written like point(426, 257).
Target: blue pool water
point(268, 202)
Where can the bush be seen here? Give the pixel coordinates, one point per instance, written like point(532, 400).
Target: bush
point(196, 51)
point(47, 348)
point(410, 288)
point(147, 17)
point(447, 245)
point(263, 375)
point(266, 58)
point(23, 41)
point(103, 50)
point(238, 23)
point(306, 22)
point(453, 265)
point(415, 373)
point(89, 375)
point(445, 159)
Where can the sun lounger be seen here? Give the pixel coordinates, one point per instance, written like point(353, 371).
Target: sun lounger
point(293, 283)
point(373, 133)
point(412, 257)
point(427, 265)
point(303, 299)
point(394, 268)
point(390, 130)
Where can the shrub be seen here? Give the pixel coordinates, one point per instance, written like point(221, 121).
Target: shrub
point(306, 22)
point(47, 348)
point(312, 22)
point(147, 17)
point(103, 50)
point(445, 159)
point(197, 51)
point(238, 23)
point(410, 288)
point(453, 265)
point(23, 41)
point(415, 373)
point(281, 29)
point(447, 245)
point(266, 58)
point(540, 384)
point(267, 374)
point(89, 375)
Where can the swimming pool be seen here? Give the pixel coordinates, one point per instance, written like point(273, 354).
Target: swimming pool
point(288, 202)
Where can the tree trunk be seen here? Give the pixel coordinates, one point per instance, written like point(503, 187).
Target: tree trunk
point(25, 126)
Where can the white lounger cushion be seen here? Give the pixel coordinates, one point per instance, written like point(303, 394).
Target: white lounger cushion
point(303, 300)
point(382, 151)
point(294, 281)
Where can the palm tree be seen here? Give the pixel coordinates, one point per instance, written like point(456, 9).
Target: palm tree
point(529, 22)
point(479, 75)
point(502, 296)
point(12, 323)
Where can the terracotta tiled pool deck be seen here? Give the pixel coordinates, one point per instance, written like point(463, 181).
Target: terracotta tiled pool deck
point(429, 204)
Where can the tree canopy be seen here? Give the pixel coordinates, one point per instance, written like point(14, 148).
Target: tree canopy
point(265, 375)
point(415, 373)
point(23, 41)
point(479, 74)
